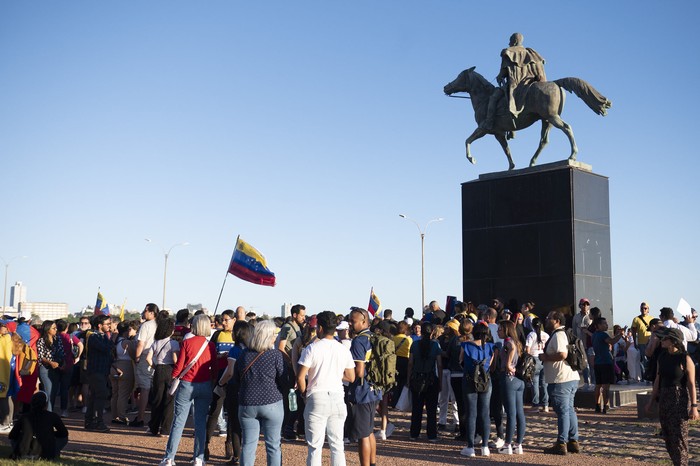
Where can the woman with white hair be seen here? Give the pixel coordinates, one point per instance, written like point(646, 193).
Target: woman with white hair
point(258, 369)
point(195, 370)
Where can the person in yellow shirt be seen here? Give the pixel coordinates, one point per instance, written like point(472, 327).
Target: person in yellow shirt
point(402, 345)
point(641, 333)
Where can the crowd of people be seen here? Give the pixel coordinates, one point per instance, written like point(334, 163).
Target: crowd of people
point(329, 377)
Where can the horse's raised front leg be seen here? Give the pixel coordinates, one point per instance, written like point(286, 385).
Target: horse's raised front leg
point(478, 133)
point(562, 125)
point(544, 139)
point(501, 138)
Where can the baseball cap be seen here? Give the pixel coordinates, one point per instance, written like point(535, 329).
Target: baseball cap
point(343, 325)
point(584, 301)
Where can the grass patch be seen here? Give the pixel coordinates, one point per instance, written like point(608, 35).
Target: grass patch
point(6, 450)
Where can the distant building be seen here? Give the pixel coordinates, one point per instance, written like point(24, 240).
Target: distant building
point(286, 310)
point(18, 294)
point(46, 311)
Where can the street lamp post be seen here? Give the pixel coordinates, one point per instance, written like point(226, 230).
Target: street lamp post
point(165, 268)
point(422, 254)
point(7, 266)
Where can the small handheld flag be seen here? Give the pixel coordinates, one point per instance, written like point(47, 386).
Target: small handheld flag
point(374, 305)
point(247, 263)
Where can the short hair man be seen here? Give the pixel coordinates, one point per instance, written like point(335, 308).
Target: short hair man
point(563, 383)
point(100, 349)
point(328, 364)
point(666, 315)
point(363, 396)
point(144, 372)
point(641, 333)
point(288, 333)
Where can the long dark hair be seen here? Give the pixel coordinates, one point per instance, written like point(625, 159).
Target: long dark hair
point(45, 327)
point(537, 328)
point(426, 329)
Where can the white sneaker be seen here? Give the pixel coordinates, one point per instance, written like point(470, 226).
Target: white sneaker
point(499, 442)
point(198, 462)
point(505, 450)
point(517, 449)
point(167, 462)
point(485, 451)
point(5, 429)
point(466, 451)
point(380, 435)
point(389, 429)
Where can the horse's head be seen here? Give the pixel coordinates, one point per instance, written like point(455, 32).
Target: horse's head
point(463, 82)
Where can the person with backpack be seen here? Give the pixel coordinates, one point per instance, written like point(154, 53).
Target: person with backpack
point(512, 387)
point(476, 358)
point(534, 345)
point(424, 364)
point(562, 382)
point(363, 395)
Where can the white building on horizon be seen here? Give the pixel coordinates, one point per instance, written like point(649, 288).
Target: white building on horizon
point(18, 294)
point(45, 311)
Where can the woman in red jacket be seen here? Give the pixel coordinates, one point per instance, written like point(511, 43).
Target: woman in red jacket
point(195, 369)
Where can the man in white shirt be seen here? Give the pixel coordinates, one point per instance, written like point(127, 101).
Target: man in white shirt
point(666, 315)
point(144, 372)
point(327, 363)
point(563, 383)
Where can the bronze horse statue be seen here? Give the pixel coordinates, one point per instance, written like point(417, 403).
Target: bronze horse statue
point(542, 101)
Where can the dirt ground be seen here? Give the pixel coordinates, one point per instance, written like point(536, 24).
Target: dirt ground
point(616, 438)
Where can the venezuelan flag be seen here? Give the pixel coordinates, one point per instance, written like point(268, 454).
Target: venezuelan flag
point(374, 304)
point(248, 264)
point(99, 303)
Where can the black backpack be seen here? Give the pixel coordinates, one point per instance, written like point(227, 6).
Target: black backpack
point(525, 369)
point(480, 376)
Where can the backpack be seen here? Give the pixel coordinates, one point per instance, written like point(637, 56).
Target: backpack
point(382, 364)
point(525, 368)
point(480, 376)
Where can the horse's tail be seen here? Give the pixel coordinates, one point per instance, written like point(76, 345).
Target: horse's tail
point(594, 99)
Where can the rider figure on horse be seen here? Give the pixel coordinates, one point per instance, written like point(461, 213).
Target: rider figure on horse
point(520, 67)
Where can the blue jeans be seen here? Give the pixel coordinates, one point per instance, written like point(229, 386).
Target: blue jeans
point(561, 397)
point(512, 389)
point(539, 386)
point(642, 358)
point(270, 418)
point(478, 405)
point(188, 392)
point(325, 413)
point(49, 379)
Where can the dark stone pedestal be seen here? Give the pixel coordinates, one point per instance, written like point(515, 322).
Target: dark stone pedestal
point(539, 234)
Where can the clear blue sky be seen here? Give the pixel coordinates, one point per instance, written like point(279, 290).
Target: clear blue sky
point(307, 127)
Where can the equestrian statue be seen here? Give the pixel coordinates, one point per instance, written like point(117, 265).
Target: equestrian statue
point(524, 96)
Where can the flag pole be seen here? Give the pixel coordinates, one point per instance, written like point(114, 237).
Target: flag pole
point(216, 309)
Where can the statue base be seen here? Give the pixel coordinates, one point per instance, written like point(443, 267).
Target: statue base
point(538, 234)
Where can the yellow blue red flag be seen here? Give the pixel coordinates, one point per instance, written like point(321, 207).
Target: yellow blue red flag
point(100, 305)
point(247, 263)
point(374, 305)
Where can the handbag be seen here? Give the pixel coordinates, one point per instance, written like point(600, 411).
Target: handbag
point(404, 404)
point(176, 381)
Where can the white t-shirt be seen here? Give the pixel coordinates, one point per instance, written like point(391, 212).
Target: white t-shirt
point(558, 371)
point(327, 360)
point(536, 348)
point(146, 334)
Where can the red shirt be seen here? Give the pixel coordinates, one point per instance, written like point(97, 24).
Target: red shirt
point(202, 370)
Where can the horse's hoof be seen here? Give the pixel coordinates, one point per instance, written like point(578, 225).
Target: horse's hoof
point(471, 159)
point(533, 163)
point(511, 166)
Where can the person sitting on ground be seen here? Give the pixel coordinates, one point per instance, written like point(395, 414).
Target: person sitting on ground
point(40, 433)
